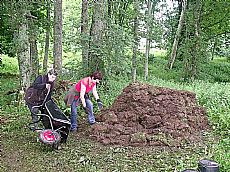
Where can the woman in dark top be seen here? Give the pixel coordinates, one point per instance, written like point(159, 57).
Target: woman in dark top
point(39, 93)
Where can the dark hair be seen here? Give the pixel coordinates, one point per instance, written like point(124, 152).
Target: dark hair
point(53, 72)
point(97, 75)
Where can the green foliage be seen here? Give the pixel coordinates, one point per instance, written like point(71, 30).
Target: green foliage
point(6, 34)
point(71, 25)
point(72, 65)
point(116, 52)
point(111, 88)
point(9, 65)
point(215, 97)
point(158, 69)
point(215, 71)
point(211, 37)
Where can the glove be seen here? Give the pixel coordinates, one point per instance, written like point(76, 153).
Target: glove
point(86, 109)
point(99, 103)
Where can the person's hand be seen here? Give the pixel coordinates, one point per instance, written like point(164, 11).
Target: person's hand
point(86, 109)
point(99, 103)
point(48, 86)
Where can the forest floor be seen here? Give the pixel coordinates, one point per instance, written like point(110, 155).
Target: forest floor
point(146, 129)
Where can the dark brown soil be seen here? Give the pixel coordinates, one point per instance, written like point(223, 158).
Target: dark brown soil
point(144, 115)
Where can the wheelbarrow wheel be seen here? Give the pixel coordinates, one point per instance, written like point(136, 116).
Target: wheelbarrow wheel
point(49, 137)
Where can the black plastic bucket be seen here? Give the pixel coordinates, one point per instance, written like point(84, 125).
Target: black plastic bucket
point(206, 165)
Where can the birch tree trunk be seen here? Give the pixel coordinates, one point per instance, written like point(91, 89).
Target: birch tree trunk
point(84, 34)
point(47, 42)
point(177, 36)
point(57, 51)
point(136, 41)
point(148, 40)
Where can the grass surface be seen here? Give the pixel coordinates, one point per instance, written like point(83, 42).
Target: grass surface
point(20, 150)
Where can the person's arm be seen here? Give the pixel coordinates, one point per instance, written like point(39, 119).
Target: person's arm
point(40, 85)
point(82, 94)
point(95, 94)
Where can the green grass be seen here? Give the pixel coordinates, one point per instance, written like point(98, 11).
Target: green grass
point(9, 65)
point(220, 59)
point(158, 53)
point(22, 152)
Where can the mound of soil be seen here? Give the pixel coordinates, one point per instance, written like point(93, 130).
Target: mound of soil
point(146, 115)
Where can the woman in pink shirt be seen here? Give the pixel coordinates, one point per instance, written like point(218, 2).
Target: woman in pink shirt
point(79, 94)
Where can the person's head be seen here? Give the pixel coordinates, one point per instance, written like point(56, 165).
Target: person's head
point(96, 76)
point(52, 75)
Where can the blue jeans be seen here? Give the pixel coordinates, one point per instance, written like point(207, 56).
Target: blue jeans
point(74, 106)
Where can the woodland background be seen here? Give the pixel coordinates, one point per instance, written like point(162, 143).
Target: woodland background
point(181, 44)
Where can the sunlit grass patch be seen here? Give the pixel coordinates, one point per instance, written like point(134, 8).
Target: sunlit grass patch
point(9, 65)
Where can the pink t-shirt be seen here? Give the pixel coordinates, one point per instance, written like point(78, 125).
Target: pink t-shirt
point(85, 82)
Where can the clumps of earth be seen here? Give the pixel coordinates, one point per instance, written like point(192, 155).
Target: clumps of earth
point(145, 115)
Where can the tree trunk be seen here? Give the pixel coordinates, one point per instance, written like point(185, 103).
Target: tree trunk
point(84, 34)
point(34, 57)
point(23, 53)
point(213, 49)
point(148, 40)
point(22, 43)
point(136, 41)
point(57, 51)
point(109, 9)
point(97, 33)
point(33, 46)
point(177, 36)
point(46, 55)
point(196, 49)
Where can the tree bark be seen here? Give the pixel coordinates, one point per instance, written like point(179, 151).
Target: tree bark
point(177, 36)
point(22, 43)
point(84, 34)
point(57, 51)
point(136, 41)
point(33, 46)
point(46, 55)
point(148, 40)
point(23, 54)
point(96, 34)
point(196, 49)
point(34, 57)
